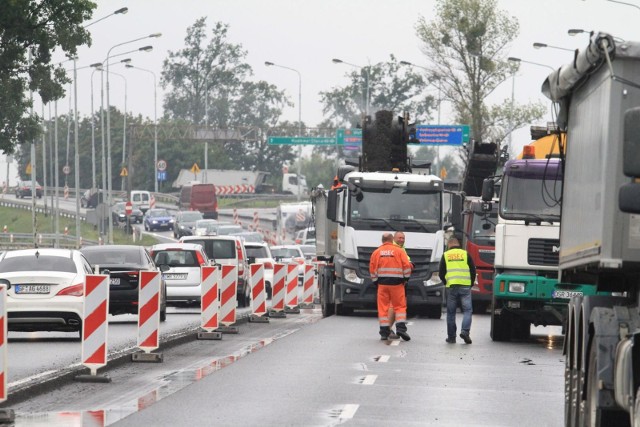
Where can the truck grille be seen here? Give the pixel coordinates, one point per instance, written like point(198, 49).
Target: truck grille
point(419, 257)
point(543, 251)
point(487, 256)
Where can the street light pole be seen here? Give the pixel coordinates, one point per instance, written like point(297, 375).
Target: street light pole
point(367, 76)
point(155, 124)
point(543, 45)
point(109, 172)
point(271, 64)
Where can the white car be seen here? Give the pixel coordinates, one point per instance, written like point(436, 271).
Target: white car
point(207, 227)
point(46, 289)
point(286, 254)
point(260, 253)
point(183, 278)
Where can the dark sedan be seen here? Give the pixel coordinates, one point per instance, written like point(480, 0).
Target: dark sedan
point(119, 215)
point(123, 264)
point(158, 219)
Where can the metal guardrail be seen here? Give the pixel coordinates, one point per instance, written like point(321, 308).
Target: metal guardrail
point(10, 241)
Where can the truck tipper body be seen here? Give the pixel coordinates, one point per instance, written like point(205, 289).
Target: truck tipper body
point(379, 196)
point(599, 96)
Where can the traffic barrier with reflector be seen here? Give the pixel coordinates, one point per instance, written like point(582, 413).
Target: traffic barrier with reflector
point(236, 219)
point(258, 294)
point(95, 326)
point(66, 192)
point(228, 299)
point(209, 304)
point(291, 296)
point(308, 286)
point(278, 289)
point(256, 220)
point(148, 317)
point(6, 415)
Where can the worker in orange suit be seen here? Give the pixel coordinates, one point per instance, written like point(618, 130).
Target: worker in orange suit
point(336, 183)
point(390, 268)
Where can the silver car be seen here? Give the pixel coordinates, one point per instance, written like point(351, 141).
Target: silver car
point(183, 278)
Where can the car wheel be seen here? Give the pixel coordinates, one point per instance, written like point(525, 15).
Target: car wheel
point(163, 313)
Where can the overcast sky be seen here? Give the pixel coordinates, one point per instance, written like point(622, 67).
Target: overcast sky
point(307, 34)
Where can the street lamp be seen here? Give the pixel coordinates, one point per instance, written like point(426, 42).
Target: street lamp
point(155, 125)
point(109, 183)
point(271, 64)
point(541, 45)
point(366, 69)
point(512, 59)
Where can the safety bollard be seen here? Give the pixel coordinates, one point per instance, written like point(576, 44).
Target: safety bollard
point(258, 294)
point(5, 229)
point(308, 286)
point(236, 218)
point(278, 289)
point(95, 327)
point(228, 299)
point(209, 304)
point(148, 317)
point(291, 296)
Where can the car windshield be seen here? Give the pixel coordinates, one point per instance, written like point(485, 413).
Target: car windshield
point(176, 258)
point(221, 248)
point(191, 216)
point(284, 252)
point(257, 252)
point(308, 250)
point(33, 263)
point(113, 256)
point(158, 212)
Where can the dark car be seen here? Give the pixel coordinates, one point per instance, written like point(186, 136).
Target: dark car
point(185, 222)
point(119, 215)
point(24, 189)
point(158, 219)
point(123, 264)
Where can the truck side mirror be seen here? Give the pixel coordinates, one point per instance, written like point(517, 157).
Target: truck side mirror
point(456, 211)
point(629, 194)
point(332, 204)
point(488, 189)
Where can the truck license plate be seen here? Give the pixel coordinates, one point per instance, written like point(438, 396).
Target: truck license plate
point(175, 276)
point(114, 281)
point(31, 289)
point(566, 294)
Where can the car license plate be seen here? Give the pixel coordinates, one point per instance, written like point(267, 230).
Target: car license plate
point(115, 281)
point(31, 289)
point(175, 276)
point(567, 294)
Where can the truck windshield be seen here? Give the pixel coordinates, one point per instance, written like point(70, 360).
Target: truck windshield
point(483, 228)
point(529, 198)
point(396, 209)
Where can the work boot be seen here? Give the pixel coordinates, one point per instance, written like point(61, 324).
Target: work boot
point(465, 336)
point(393, 336)
point(385, 331)
point(401, 330)
point(451, 340)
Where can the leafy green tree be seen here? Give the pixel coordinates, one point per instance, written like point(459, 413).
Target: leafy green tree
point(30, 30)
point(466, 45)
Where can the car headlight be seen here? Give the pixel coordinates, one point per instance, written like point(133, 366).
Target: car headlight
point(434, 280)
point(182, 227)
point(155, 221)
point(351, 276)
point(171, 221)
point(517, 287)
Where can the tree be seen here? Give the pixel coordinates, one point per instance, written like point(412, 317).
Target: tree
point(466, 45)
point(30, 30)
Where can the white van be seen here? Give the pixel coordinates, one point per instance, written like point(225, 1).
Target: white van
point(141, 199)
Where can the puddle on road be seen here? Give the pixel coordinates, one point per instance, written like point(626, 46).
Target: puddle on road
point(170, 384)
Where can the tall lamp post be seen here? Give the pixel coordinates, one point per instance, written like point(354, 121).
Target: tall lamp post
point(155, 124)
point(366, 69)
point(543, 45)
point(109, 180)
point(271, 64)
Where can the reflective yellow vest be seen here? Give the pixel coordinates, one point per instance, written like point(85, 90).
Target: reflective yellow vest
point(457, 268)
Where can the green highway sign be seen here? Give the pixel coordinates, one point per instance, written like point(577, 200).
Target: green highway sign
point(301, 140)
point(349, 136)
point(465, 133)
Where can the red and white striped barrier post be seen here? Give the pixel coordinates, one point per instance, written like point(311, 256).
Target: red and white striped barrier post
point(255, 221)
point(278, 289)
point(209, 304)
point(152, 202)
point(236, 219)
point(66, 192)
point(148, 317)
point(258, 294)
point(95, 326)
point(6, 415)
point(308, 286)
point(228, 299)
point(291, 298)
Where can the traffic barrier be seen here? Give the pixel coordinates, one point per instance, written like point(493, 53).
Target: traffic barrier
point(256, 221)
point(152, 202)
point(308, 286)
point(209, 304)
point(6, 415)
point(228, 299)
point(236, 219)
point(278, 289)
point(291, 298)
point(148, 317)
point(258, 294)
point(95, 326)
point(66, 230)
point(66, 192)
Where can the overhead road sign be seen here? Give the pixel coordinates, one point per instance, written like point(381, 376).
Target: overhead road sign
point(301, 140)
point(437, 135)
point(349, 136)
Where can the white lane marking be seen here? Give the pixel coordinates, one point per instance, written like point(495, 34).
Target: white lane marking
point(348, 411)
point(395, 342)
point(369, 379)
point(383, 359)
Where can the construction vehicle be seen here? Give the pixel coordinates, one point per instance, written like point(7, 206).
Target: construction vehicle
point(599, 97)
point(526, 289)
point(379, 195)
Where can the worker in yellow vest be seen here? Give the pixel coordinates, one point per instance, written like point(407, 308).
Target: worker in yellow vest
point(458, 271)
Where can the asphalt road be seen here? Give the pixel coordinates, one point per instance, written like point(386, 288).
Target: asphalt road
point(305, 370)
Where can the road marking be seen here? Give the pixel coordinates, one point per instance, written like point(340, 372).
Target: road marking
point(369, 379)
point(395, 342)
point(348, 411)
point(382, 359)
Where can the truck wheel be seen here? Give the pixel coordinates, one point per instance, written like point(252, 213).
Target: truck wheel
point(341, 310)
point(500, 325)
point(327, 309)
